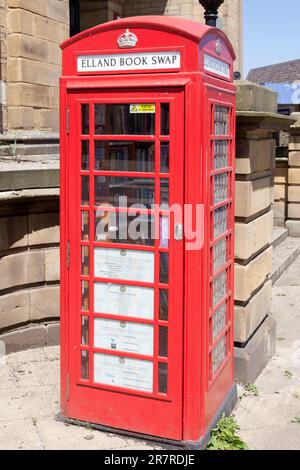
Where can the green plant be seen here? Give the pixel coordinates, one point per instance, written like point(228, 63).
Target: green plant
point(288, 374)
point(251, 389)
point(224, 436)
point(296, 420)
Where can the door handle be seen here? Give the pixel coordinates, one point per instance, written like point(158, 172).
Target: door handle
point(178, 232)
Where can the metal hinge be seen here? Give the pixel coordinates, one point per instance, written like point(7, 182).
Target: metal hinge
point(68, 254)
point(68, 387)
point(68, 120)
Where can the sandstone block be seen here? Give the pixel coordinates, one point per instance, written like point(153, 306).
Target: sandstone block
point(46, 28)
point(294, 147)
point(44, 303)
point(251, 238)
point(253, 97)
point(293, 227)
point(52, 265)
point(43, 228)
point(26, 338)
point(252, 196)
point(13, 232)
point(20, 21)
point(281, 175)
point(297, 117)
point(294, 193)
point(58, 10)
point(35, 6)
point(26, 94)
point(280, 192)
point(294, 211)
point(253, 156)
point(21, 45)
point(294, 159)
point(14, 309)
point(280, 210)
point(32, 71)
point(22, 269)
point(20, 118)
point(294, 176)
point(252, 276)
point(46, 119)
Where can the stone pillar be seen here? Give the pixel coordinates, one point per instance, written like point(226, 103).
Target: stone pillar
point(255, 160)
point(293, 224)
point(280, 206)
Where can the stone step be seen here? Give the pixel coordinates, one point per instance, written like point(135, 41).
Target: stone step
point(283, 256)
point(279, 236)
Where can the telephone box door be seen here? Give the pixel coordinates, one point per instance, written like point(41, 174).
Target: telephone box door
point(125, 278)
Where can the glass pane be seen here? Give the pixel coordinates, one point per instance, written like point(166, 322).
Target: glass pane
point(219, 355)
point(84, 365)
point(124, 156)
point(85, 155)
point(127, 301)
point(85, 257)
point(124, 192)
point(219, 321)
point(163, 341)
point(164, 157)
point(220, 255)
point(85, 225)
point(164, 268)
point(129, 265)
point(220, 188)
point(220, 221)
point(120, 119)
point(85, 181)
point(219, 288)
point(221, 120)
point(163, 378)
point(120, 227)
point(221, 154)
point(114, 335)
point(164, 232)
point(124, 372)
point(84, 331)
point(85, 304)
point(85, 109)
point(165, 119)
point(164, 193)
point(163, 305)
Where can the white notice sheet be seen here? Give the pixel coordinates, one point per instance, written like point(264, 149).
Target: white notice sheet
point(128, 301)
point(123, 372)
point(129, 265)
point(123, 336)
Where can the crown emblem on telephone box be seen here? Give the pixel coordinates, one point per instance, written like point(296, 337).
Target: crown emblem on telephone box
point(127, 40)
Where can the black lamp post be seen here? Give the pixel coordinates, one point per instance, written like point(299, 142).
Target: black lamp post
point(211, 11)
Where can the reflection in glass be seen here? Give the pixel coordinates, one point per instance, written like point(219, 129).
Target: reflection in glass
point(163, 341)
point(219, 355)
point(84, 331)
point(219, 288)
point(85, 155)
point(85, 198)
point(164, 157)
point(121, 227)
point(162, 378)
point(164, 193)
point(124, 192)
point(164, 268)
point(84, 365)
point(164, 231)
point(165, 119)
point(116, 119)
point(220, 221)
point(220, 255)
point(163, 305)
point(219, 321)
point(124, 156)
point(85, 226)
point(220, 188)
point(85, 258)
point(221, 154)
point(85, 304)
point(221, 120)
point(85, 128)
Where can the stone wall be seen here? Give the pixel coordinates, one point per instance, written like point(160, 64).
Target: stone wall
point(293, 224)
point(255, 162)
point(34, 30)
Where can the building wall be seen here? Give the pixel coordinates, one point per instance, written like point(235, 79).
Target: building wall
point(31, 31)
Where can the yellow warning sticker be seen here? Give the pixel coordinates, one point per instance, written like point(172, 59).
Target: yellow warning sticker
point(142, 108)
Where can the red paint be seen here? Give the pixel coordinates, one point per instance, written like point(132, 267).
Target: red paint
point(194, 392)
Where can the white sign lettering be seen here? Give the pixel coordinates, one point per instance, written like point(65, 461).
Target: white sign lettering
point(213, 65)
point(129, 61)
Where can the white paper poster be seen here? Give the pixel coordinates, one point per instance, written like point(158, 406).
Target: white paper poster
point(128, 301)
point(123, 372)
point(122, 336)
point(129, 265)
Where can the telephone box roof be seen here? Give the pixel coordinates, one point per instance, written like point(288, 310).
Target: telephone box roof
point(189, 29)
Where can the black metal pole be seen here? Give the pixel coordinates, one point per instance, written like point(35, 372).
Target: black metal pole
point(211, 8)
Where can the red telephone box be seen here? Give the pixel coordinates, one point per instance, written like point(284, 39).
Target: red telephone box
point(147, 146)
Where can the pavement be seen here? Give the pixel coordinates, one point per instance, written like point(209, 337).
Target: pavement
point(268, 413)
point(271, 420)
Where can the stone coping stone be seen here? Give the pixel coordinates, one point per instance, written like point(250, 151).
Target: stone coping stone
point(254, 120)
point(254, 97)
point(27, 136)
point(31, 337)
point(11, 196)
point(28, 178)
